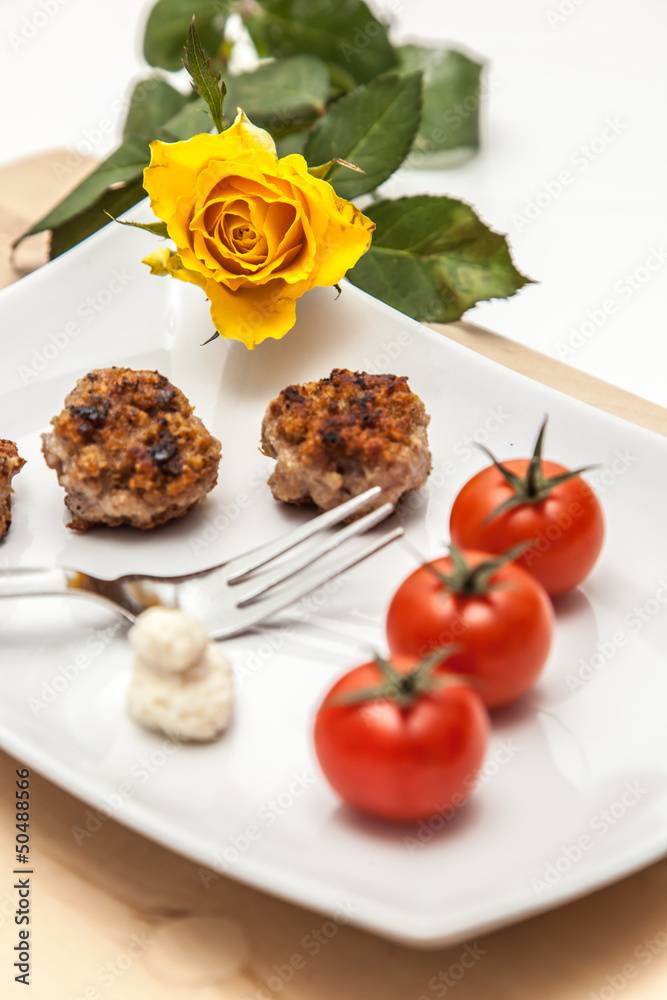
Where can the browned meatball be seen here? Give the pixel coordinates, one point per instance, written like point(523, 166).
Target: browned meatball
point(128, 450)
point(335, 438)
point(10, 464)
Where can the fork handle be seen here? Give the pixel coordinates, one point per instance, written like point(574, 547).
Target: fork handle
point(25, 582)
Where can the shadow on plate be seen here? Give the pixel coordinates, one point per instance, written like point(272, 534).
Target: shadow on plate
point(430, 831)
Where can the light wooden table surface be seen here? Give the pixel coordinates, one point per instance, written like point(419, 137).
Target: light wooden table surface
point(119, 917)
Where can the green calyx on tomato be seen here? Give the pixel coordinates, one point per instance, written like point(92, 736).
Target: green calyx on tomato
point(469, 581)
point(406, 688)
point(402, 764)
point(534, 486)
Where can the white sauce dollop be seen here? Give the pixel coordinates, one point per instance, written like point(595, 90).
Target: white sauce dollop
point(182, 683)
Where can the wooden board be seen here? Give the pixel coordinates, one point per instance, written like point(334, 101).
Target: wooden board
point(115, 916)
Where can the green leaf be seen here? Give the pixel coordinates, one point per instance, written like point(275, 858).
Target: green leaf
point(156, 111)
point(78, 227)
point(450, 114)
point(291, 142)
point(156, 228)
point(122, 167)
point(205, 82)
point(343, 32)
point(278, 95)
point(167, 29)
point(153, 102)
point(190, 120)
point(373, 127)
point(433, 258)
point(342, 82)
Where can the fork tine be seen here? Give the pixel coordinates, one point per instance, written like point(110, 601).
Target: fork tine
point(289, 569)
point(245, 564)
point(260, 610)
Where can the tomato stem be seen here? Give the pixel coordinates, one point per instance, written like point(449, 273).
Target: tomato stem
point(405, 689)
point(534, 487)
point(470, 581)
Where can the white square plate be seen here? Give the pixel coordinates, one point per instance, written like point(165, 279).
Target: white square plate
point(574, 791)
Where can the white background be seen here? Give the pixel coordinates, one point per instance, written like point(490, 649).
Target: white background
point(558, 73)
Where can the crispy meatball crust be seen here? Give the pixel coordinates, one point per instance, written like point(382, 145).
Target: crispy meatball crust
point(10, 464)
point(335, 438)
point(129, 451)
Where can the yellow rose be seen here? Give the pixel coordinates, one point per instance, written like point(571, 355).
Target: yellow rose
point(253, 231)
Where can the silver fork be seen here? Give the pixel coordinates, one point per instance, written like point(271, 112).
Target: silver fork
point(226, 599)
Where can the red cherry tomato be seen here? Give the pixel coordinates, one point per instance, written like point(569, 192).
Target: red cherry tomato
point(502, 635)
point(401, 761)
point(568, 526)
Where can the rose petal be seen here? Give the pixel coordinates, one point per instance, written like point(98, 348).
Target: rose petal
point(253, 314)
